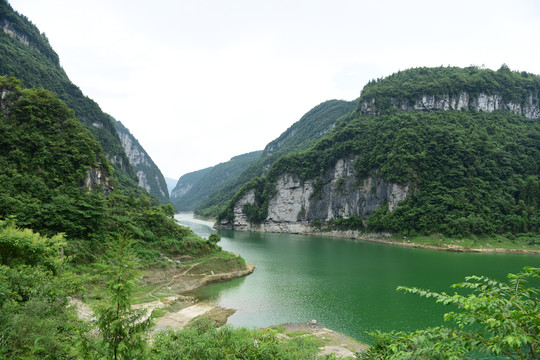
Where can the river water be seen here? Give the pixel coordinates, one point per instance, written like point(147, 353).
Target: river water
point(346, 285)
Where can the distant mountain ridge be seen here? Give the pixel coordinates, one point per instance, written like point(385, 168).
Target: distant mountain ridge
point(193, 188)
point(299, 136)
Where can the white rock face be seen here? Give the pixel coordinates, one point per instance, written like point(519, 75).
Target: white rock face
point(483, 102)
point(290, 201)
point(141, 163)
point(297, 204)
point(240, 220)
point(142, 180)
point(134, 153)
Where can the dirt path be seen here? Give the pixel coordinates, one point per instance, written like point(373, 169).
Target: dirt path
point(172, 280)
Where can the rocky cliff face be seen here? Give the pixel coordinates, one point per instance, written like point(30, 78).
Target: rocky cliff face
point(181, 190)
point(297, 204)
point(97, 178)
point(464, 101)
point(149, 175)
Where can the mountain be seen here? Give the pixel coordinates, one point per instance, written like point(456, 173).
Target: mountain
point(27, 55)
point(427, 151)
point(303, 133)
point(149, 175)
point(193, 188)
point(171, 183)
point(63, 168)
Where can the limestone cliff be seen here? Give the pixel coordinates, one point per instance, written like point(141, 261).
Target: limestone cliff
point(434, 137)
point(464, 101)
point(297, 204)
point(148, 174)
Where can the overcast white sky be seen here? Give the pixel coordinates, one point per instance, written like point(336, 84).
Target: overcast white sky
point(200, 81)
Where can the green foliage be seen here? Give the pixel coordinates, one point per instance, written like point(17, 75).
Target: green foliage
point(123, 331)
point(255, 212)
point(205, 341)
point(471, 172)
point(493, 318)
point(300, 136)
point(45, 158)
point(35, 322)
point(45, 155)
point(214, 238)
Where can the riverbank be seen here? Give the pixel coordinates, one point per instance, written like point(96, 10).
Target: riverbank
point(440, 243)
point(166, 291)
point(523, 244)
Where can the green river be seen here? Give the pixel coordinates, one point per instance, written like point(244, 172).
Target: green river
point(346, 285)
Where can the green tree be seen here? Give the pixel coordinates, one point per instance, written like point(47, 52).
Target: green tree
point(495, 318)
point(214, 238)
point(122, 330)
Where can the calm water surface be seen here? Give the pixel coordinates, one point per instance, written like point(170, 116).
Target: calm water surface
point(346, 285)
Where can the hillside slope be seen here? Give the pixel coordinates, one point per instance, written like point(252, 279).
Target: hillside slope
point(303, 133)
point(27, 55)
point(453, 170)
point(148, 174)
point(194, 188)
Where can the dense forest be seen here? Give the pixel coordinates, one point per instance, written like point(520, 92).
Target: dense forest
point(302, 134)
point(49, 168)
point(472, 172)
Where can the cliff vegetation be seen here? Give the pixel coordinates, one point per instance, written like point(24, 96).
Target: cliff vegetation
point(467, 171)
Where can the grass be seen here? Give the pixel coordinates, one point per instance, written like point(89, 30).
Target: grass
point(218, 263)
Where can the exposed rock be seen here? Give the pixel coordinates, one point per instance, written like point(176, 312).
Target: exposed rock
point(181, 190)
point(297, 204)
point(98, 178)
point(149, 175)
point(10, 30)
point(464, 101)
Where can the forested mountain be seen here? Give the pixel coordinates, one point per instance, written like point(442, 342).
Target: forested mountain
point(55, 178)
point(148, 174)
point(430, 150)
point(193, 188)
point(303, 133)
point(26, 54)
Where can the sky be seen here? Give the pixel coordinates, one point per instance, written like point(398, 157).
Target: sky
point(200, 81)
